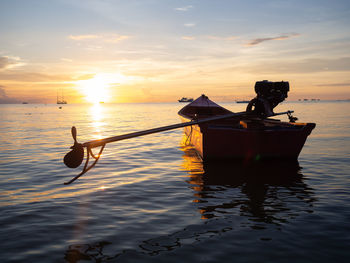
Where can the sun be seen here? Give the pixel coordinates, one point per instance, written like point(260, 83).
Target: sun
point(103, 86)
point(97, 89)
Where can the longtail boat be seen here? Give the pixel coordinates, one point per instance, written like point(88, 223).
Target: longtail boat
point(252, 136)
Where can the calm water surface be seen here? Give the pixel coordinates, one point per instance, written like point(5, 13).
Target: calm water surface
point(150, 199)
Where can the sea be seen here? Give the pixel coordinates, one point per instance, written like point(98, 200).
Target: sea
point(152, 199)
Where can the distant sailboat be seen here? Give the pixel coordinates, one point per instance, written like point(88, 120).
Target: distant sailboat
point(60, 99)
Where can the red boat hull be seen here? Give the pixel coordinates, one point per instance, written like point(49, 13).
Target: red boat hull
point(218, 141)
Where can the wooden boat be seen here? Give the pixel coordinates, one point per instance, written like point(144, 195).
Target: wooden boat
point(247, 137)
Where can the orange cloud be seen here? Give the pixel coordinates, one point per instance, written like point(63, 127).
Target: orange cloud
point(222, 38)
point(83, 37)
point(4, 98)
point(108, 38)
point(188, 38)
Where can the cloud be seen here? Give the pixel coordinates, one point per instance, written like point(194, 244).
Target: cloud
point(26, 76)
point(258, 41)
point(83, 77)
point(4, 98)
point(66, 60)
point(210, 37)
point(2, 92)
point(304, 66)
point(184, 8)
point(83, 37)
point(334, 85)
point(4, 62)
point(222, 38)
point(108, 38)
point(7, 62)
point(188, 38)
point(115, 38)
point(190, 25)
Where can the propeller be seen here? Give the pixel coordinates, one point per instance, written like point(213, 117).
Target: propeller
point(75, 157)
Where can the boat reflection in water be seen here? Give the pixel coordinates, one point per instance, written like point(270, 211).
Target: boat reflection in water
point(229, 197)
point(259, 193)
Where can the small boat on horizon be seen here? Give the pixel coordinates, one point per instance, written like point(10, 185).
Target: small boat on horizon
point(184, 99)
point(60, 99)
point(251, 135)
point(242, 101)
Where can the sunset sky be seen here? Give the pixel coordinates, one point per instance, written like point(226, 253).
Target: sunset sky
point(162, 50)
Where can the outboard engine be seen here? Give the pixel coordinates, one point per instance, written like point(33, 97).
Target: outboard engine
point(269, 95)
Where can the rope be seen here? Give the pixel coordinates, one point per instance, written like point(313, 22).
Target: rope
point(189, 137)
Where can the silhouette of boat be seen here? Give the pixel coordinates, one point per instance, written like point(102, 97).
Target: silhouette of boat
point(184, 99)
point(60, 99)
point(251, 136)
